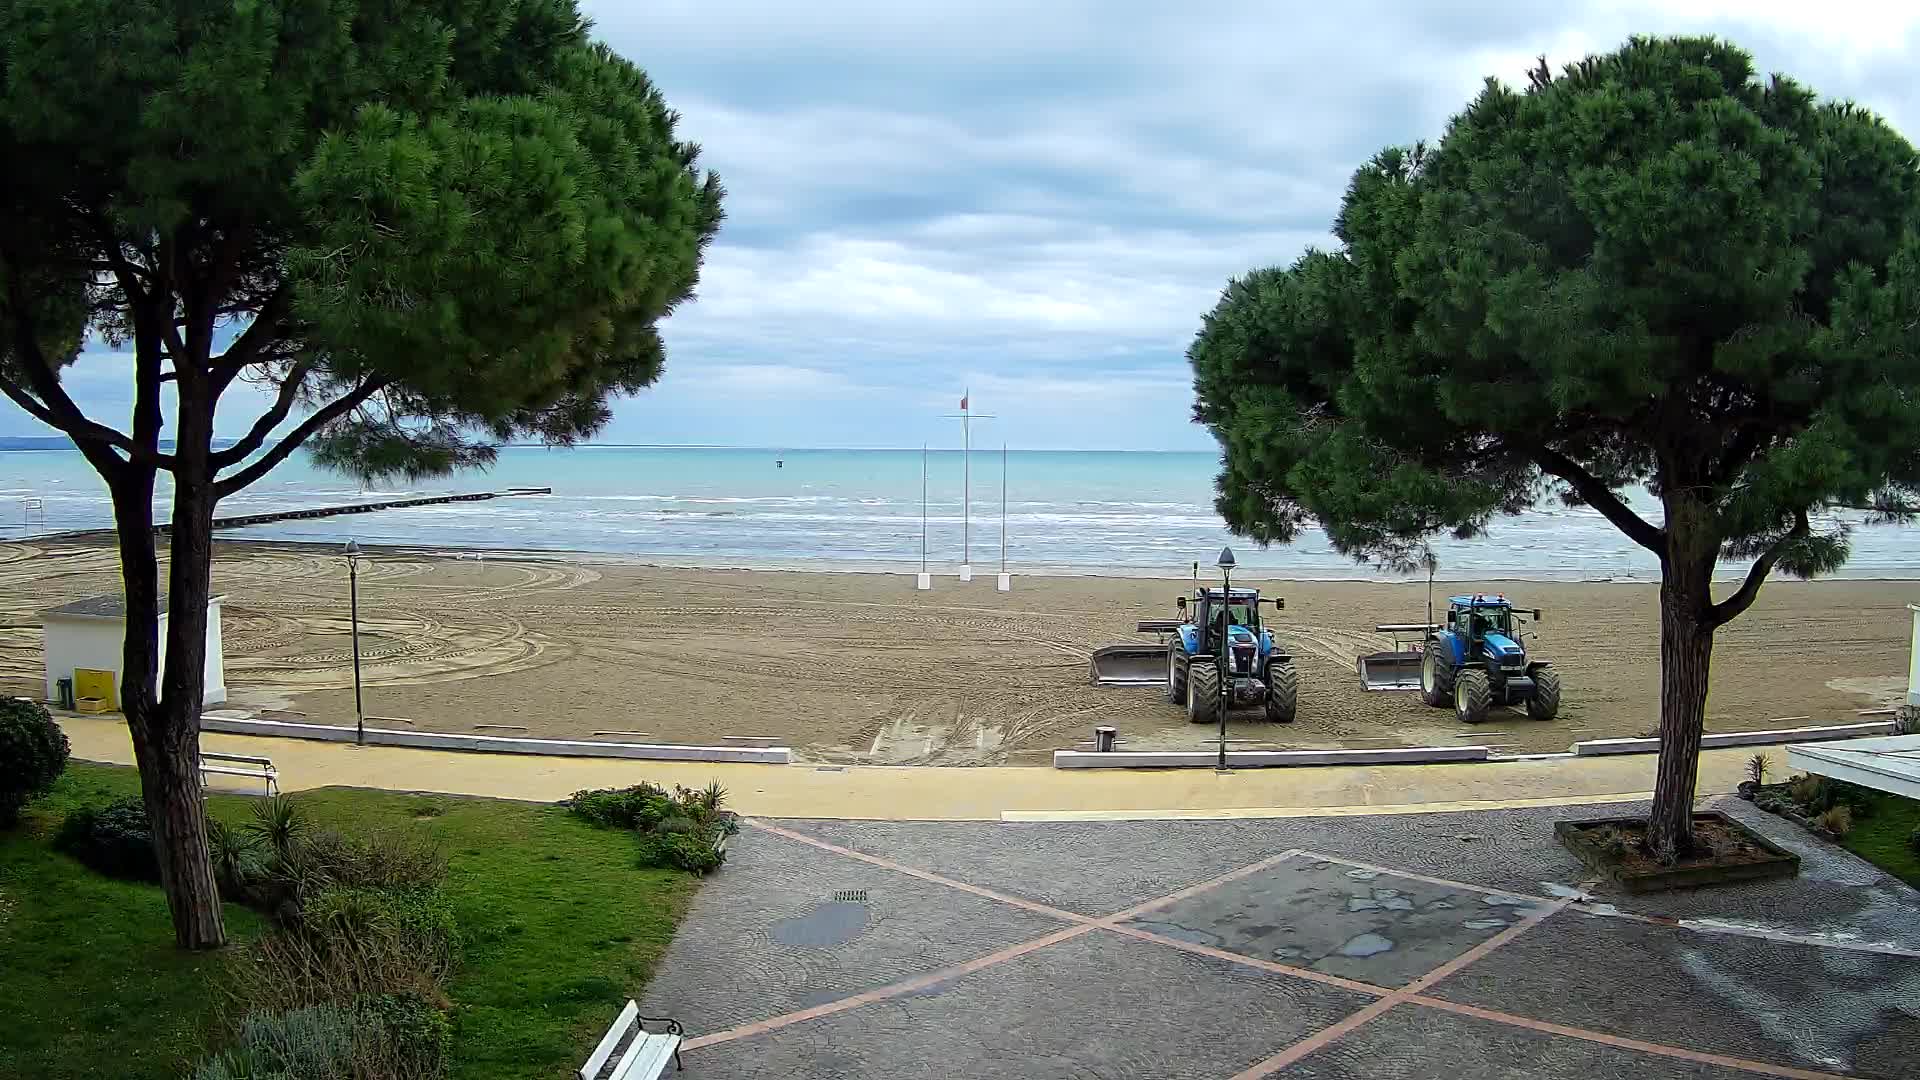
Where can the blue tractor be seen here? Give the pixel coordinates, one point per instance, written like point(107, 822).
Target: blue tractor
point(1258, 672)
point(1475, 660)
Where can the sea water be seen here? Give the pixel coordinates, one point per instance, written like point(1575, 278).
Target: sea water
point(1131, 513)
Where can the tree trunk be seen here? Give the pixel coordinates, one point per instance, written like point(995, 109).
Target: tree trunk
point(1686, 656)
point(166, 727)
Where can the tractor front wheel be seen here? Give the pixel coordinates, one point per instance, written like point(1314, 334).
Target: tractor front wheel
point(1436, 677)
point(1283, 693)
point(1472, 693)
point(1176, 675)
point(1545, 702)
point(1203, 693)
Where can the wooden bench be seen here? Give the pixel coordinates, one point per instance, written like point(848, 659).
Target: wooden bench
point(643, 1054)
point(257, 768)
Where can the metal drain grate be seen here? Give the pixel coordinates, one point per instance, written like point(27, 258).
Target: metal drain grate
point(850, 896)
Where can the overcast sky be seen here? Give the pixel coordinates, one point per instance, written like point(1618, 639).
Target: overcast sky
point(1038, 201)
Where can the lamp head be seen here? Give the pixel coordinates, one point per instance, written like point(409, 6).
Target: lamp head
point(1226, 561)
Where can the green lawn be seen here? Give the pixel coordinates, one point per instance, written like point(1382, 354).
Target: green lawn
point(561, 927)
point(1882, 837)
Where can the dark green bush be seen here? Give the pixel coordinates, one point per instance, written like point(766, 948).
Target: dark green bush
point(641, 806)
point(419, 920)
point(1913, 841)
point(418, 1035)
point(691, 851)
point(33, 754)
point(114, 840)
point(1818, 794)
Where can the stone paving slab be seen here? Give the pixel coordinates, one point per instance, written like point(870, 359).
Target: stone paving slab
point(1797, 1005)
point(1359, 924)
point(1412, 1043)
point(1096, 868)
point(1091, 868)
point(1094, 1006)
point(766, 935)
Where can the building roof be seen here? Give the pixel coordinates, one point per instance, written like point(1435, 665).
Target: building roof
point(1890, 763)
point(110, 606)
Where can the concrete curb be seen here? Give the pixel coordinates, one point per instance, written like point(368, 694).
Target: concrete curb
point(1262, 759)
point(1593, 747)
point(500, 744)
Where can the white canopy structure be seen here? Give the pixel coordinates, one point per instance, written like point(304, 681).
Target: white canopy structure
point(1890, 764)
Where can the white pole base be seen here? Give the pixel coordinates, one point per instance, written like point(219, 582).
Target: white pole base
point(1005, 584)
point(966, 572)
point(923, 582)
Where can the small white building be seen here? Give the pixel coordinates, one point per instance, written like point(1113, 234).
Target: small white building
point(91, 633)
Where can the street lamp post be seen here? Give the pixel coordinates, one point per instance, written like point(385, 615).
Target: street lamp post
point(353, 608)
point(1226, 563)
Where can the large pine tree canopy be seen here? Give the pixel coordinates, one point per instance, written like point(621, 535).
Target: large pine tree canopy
point(428, 224)
point(1654, 268)
point(422, 226)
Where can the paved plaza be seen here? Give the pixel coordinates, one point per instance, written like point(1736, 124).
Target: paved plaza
point(1458, 945)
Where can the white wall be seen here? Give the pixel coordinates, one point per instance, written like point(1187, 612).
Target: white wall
point(1913, 662)
point(80, 642)
point(216, 674)
point(84, 642)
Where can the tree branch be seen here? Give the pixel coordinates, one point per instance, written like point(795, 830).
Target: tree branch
point(285, 447)
point(58, 411)
point(1600, 497)
point(272, 418)
point(248, 347)
point(1731, 608)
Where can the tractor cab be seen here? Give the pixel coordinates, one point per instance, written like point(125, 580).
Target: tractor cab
point(1486, 626)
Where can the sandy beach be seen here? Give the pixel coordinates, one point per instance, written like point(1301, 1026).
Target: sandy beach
point(859, 668)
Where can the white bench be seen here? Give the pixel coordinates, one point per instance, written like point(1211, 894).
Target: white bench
point(257, 768)
point(643, 1054)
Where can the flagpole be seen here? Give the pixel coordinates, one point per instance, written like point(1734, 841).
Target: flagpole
point(966, 418)
point(925, 580)
point(1003, 508)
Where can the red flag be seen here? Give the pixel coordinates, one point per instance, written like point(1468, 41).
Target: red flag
point(963, 403)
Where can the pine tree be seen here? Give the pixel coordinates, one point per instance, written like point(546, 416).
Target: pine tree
point(1654, 269)
point(425, 225)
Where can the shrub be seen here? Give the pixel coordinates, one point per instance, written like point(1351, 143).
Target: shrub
point(379, 1037)
point(349, 942)
point(1757, 768)
point(33, 754)
point(641, 806)
point(1837, 820)
point(418, 1035)
point(418, 919)
point(1809, 791)
point(115, 840)
point(300, 862)
point(686, 850)
point(237, 865)
point(277, 825)
point(1913, 841)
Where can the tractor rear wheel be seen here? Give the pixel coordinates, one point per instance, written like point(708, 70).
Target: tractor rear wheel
point(1176, 676)
point(1283, 693)
point(1472, 693)
point(1436, 678)
point(1545, 702)
point(1203, 693)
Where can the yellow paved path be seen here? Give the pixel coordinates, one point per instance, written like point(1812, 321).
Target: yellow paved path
point(958, 794)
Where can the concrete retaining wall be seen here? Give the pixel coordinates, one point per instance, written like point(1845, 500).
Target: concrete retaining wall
point(1593, 747)
point(1261, 759)
point(498, 744)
